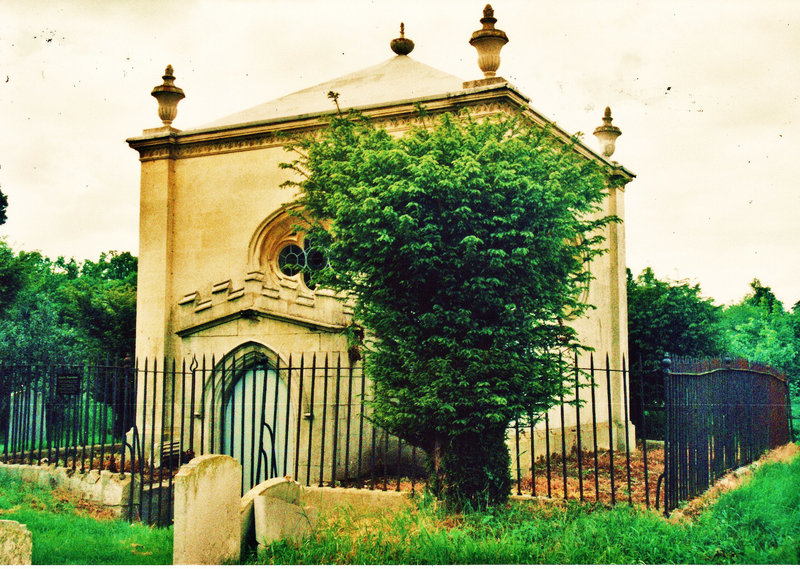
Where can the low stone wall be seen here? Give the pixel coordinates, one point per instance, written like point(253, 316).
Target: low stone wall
point(98, 486)
point(327, 500)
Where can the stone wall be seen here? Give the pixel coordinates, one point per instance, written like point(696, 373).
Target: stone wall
point(328, 500)
point(98, 486)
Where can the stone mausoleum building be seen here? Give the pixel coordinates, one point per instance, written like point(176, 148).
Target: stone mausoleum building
point(218, 251)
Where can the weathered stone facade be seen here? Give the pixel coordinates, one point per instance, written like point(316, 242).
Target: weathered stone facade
point(213, 221)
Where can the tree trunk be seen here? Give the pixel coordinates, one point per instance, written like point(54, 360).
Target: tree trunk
point(472, 469)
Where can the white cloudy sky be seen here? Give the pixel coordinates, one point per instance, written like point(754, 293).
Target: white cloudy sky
point(707, 95)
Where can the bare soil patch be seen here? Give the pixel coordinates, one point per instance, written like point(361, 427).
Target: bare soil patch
point(591, 479)
point(586, 480)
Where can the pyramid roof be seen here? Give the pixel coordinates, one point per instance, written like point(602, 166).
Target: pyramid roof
point(400, 78)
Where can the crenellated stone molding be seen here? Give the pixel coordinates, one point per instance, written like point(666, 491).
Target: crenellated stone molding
point(258, 295)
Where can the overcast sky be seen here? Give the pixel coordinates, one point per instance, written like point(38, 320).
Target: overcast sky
point(707, 95)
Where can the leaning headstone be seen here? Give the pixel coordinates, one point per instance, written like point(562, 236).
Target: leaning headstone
point(281, 488)
point(276, 520)
point(274, 510)
point(207, 527)
point(16, 543)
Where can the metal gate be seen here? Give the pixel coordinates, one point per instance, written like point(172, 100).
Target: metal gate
point(259, 418)
point(306, 417)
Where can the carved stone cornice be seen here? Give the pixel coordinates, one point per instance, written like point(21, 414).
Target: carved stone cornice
point(481, 100)
point(254, 314)
point(619, 176)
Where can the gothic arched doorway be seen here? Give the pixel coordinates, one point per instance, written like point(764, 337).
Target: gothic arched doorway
point(257, 417)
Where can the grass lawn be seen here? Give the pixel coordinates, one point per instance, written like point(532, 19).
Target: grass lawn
point(757, 523)
point(67, 531)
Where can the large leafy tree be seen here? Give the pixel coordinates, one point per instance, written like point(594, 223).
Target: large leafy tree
point(101, 302)
point(13, 276)
point(63, 309)
point(465, 246)
point(31, 323)
point(665, 316)
point(3, 207)
point(670, 316)
point(760, 329)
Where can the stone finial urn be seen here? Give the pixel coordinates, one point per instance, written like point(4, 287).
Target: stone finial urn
point(607, 134)
point(402, 45)
point(168, 96)
point(488, 41)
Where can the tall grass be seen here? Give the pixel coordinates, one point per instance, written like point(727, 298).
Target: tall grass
point(62, 535)
point(758, 523)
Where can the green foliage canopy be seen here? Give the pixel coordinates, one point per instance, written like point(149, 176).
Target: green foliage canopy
point(3, 207)
point(759, 329)
point(668, 316)
point(665, 316)
point(65, 311)
point(465, 247)
point(13, 276)
point(55, 310)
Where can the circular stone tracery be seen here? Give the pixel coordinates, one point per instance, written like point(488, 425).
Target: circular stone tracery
point(282, 253)
point(307, 260)
point(291, 260)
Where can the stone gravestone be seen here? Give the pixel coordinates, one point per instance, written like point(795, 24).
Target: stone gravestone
point(274, 510)
point(16, 543)
point(276, 519)
point(207, 528)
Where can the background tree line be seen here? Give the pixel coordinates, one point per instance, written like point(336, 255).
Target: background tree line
point(66, 309)
point(674, 316)
point(78, 309)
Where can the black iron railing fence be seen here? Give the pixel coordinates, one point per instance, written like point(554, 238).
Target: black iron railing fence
point(720, 414)
point(308, 417)
point(585, 447)
point(70, 414)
